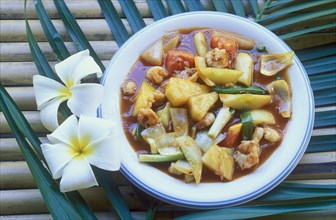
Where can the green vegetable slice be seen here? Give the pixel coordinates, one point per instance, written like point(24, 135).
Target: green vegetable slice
point(138, 129)
point(159, 158)
point(239, 89)
point(247, 122)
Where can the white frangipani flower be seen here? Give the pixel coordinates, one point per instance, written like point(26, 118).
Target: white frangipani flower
point(82, 98)
point(76, 144)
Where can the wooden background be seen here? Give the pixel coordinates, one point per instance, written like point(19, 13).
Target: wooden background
point(19, 197)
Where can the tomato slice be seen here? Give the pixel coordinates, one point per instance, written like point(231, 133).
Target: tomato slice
point(178, 60)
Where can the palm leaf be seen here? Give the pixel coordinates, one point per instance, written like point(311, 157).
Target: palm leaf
point(75, 32)
point(194, 5)
point(306, 31)
point(276, 4)
point(114, 22)
point(132, 14)
point(157, 8)
point(220, 5)
point(316, 52)
point(56, 202)
point(268, 2)
point(253, 211)
point(323, 81)
point(238, 8)
point(293, 8)
point(254, 6)
point(325, 97)
point(300, 18)
point(322, 144)
point(175, 6)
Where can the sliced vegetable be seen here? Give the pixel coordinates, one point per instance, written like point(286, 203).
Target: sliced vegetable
point(199, 105)
point(260, 116)
point(179, 60)
point(245, 101)
point(193, 155)
point(279, 90)
point(221, 76)
point(166, 144)
point(220, 160)
point(138, 129)
point(154, 54)
point(239, 89)
point(144, 98)
point(271, 64)
point(222, 118)
point(200, 63)
point(205, 142)
point(232, 135)
point(201, 44)
point(247, 122)
point(164, 115)
point(152, 144)
point(179, 91)
point(159, 158)
point(243, 42)
point(171, 44)
point(261, 48)
point(244, 63)
point(179, 117)
point(153, 131)
point(182, 166)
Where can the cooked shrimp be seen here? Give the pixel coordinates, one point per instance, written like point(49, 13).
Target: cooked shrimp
point(129, 87)
point(188, 74)
point(218, 58)
point(159, 97)
point(271, 134)
point(247, 154)
point(147, 117)
point(156, 74)
point(258, 134)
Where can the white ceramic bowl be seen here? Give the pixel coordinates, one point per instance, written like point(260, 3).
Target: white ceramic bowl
point(211, 195)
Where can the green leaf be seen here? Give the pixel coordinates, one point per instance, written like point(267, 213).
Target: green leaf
point(262, 10)
point(54, 39)
point(238, 8)
point(325, 119)
point(300, 18)
point(294, 191)
point(306, 31)
point(157, 8)
point(105, 179)
point(293, 8)
point(322, 143)
point(220, 5)
point(275, 4)
point(193, 5)
point(316, 52)
point(253, 211)
point(57, 204)
point(75, 32)
point(175, 6)
point(132, 14)
point(254, 6)
point(114, 22)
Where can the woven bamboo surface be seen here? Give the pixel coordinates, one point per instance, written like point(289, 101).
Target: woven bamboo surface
point(19, 197)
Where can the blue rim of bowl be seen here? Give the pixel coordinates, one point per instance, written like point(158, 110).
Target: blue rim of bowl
point(267, 186)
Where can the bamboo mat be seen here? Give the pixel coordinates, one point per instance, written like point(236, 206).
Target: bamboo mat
point(19, 197)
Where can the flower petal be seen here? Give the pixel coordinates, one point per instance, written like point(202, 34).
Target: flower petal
point(66, 133)
point(85, 66)
point(49, 113)
point(46, 89)
point(104, 153)
point(85, 98)
point(93, 128)
point(64, 68)
point(57, 156)
point(77, 175)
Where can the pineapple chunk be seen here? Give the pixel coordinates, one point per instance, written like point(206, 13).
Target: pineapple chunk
point(245, 101)
point(200, 105)
point(220, 160)
point(244, 62)
point(144, 98)
point(221, 76)
point(179, 91)
point(154, 54)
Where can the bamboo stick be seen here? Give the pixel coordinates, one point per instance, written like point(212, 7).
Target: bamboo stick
point(30, 201)
point(16, 175)
point(94, 29)
point(18, 52)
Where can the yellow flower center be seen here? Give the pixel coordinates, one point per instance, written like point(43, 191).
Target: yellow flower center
point(66, 92)
point(80, 146)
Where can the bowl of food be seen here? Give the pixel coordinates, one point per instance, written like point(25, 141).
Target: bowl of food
point(213, 110)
